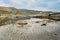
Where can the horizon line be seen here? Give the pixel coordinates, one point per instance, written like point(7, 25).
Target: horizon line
point(36, 9)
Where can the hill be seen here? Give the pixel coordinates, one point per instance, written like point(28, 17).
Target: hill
point(21, 11)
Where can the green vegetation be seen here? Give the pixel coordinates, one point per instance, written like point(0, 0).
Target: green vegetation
point(3, 21)
point(11, 15)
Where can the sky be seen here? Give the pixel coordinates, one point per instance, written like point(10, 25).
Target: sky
point(43, 5)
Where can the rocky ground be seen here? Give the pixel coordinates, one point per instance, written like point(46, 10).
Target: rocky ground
point(31, 29)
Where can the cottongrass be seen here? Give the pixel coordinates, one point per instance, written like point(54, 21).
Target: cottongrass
point(31, 31)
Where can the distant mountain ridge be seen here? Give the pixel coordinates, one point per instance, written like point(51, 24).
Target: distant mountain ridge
point(22, 11)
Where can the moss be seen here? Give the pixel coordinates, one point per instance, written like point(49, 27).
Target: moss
point(37, 22)
point(43, 24)
point(20, 26)
point(22, 23)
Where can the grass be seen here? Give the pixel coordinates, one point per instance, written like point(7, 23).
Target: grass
point(6, 21)
point(3, 21)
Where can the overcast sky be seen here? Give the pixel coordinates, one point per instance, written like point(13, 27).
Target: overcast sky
point(33, 4)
